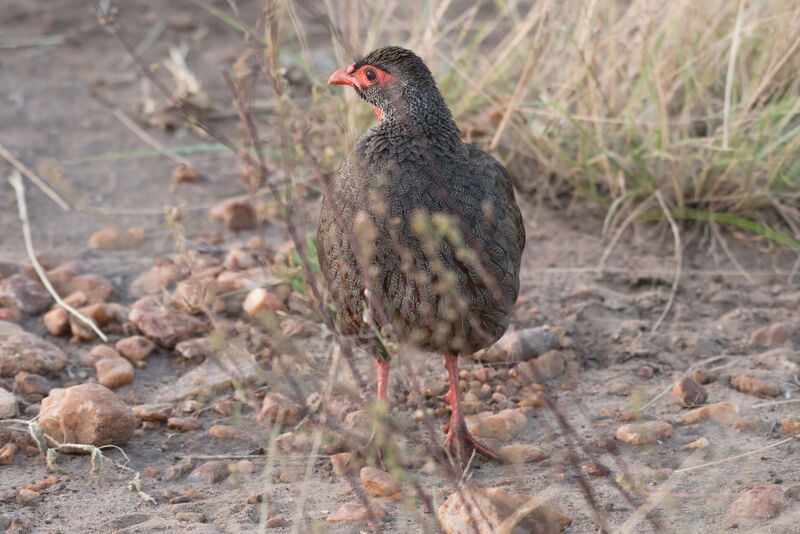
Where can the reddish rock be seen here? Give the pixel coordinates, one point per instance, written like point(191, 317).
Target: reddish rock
point(761, 502)
point(32, 384)
point(10, 315)
point(195, 348)
point(345, 462)
point(518, 345)
point(380, 483)
point(162, 326)
point(278, 407)
point(596, 469)
point(88, 414)
point(236, 213)
point(504, 425)
point(57, 321)
point(227, 432)
point(644, 433)
point(645, 371)
point(210, 472)
point(153, 412)
point(7, 453)
point(458, 513)
point(687, 392)
point(22, 351)
point(701, 443)
point(8, 404)
point(26, 294)
point(791, 425)
point(551, 364)
point(723, 412)
point(520, 453)
point(184, 424)
point(701, 376)
point(352, 511)
point(114, 372)
point(101, 313)
point(753, 386)
point(158, 278)
point(115, 239)
point(135, 348)
point(65, 281)
point(183, 172)
point(260, 300)
point(774, 334)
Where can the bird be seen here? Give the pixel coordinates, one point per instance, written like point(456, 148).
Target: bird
point(419, 234)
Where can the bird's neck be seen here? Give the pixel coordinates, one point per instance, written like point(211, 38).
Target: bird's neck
point(422, 114)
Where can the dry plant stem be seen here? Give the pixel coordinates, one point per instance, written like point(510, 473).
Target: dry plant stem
point(686, 373)
point(729, 253)
point(676, 234)
point(737, 32)
point(774, 403)
point(638, 210)
point(19, 189)
point(743, 455)
point(30, 175)
point(139, 132)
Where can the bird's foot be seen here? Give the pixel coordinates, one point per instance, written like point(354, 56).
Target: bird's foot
point(462, 443)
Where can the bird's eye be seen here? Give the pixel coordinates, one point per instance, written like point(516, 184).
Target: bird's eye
point(370, 74)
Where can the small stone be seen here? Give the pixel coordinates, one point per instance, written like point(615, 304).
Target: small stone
point(762, 502)
point(792, 492)
point(27, 295)
point(153, 412)
point(551, 364)
point(101, 313)
point(236, 213)
point(8, 404)
point(114, 372)
point(748, 423)
point(183, 172)
point(484, 374)
point(210, 472)
point(521, 453)
point(645, 371)
point(199, 347)
point(596, 469)
point(276, 522)
point(32, 384)
point(67, 281)
point(753, 386)
point(791, 425)
point(115, 239)
point(182, 22)
point(503, 425)
point(214, 374)
point(345, 462)
point(619, 388)
point(192, 517)
point(27, 496)
point(380, 483)
point(10, 314)
point(458, 516)
point(644, 433)
point(22, 351)
point(687, 392)
point(227, 432)
point(774, 334)
point(352, 511)
point(158, 278)
point(162, 326)
point(701, 376)
point(57, 321)
point(177, 470)
point(242, 467)
point(184, 424)
point(701, 443)
point(135, 348)
point(519, 345)
point(7, 453)
point(723, 412)
point(260, 300)
point(278, 407)
point(89, 414)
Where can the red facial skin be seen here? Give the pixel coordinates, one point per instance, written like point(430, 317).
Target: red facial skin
point(358, 79)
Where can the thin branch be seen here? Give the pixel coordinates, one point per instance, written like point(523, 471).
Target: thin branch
point(731, 458)
point(726, 114)
point(19, 188)
point(30, 175)
point(676, 233)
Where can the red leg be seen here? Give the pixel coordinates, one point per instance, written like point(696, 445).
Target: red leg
point(458, 437)
point(383, 380)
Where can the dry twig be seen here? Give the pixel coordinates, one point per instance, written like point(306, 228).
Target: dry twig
point(30, 175)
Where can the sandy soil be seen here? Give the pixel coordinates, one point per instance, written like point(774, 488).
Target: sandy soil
point(48, 114)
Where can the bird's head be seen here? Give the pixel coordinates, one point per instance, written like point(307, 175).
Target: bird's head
point(397, 83)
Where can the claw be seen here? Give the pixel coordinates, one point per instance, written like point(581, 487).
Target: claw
point(462, 443)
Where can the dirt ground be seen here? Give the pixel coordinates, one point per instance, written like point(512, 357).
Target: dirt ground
point(49, 114)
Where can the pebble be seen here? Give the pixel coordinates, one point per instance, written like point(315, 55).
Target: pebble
point(183, 172)
point(278, 407)
point(242, 467)
point(158, 278)
point(791, 425)
point(162, 326)
point(88, 414)
point(701, 376)
point(149, 472)
point(22, 351)
point(344, 463)
point(687, 392)
point(10, 314)
point(260, 300)
point(457, 513)
point(153, 412)
point(520, 453)
point(645, 371)
point(7, 453)
point(352, 511)
point(597, 469)
point(504, 425)
point(774, 334)
point(549, 365)
point(97, 353)
point(519, 345)
point(184, 424)
point(193, 517)
point(214, 374)
point(177, 470)
point(199, 347)
point(227, 432)
point(484, 374)
point(762, 502)
point(723, 412)
point(210, 472)
point(113, 238)
point(135, 348)
point(753, 386)
point(276, 522)
point(236, 213)
point(96, 288)
point(101, 313)
point(701, 443)
point(644, 433)
point(380, 483)
point(114, 372)
point(57, 321)
point(27, 295)
point(32, 384)
point(27, 496)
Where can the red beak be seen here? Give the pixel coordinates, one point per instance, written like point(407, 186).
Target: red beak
point(343, 76)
